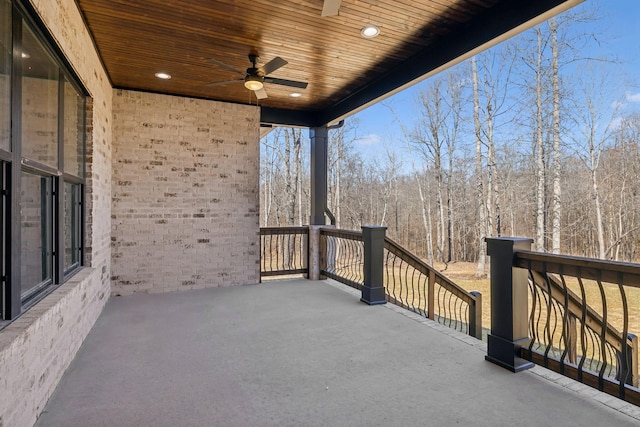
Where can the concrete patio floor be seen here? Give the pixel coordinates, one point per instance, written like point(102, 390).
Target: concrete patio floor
point(301, 353)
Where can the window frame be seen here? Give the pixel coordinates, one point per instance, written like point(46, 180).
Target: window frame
point(12, 165)
point(47, 220)
point(77, 226)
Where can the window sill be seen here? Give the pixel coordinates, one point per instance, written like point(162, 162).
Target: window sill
point(45, 300)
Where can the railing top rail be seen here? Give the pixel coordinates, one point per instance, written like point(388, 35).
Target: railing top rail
point(344, 234)
point(424, 268)
point(586, 268)
point(265, 231)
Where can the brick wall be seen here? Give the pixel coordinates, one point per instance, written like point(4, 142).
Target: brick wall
point(37, 348)
point(5, 110)
point(185, 193)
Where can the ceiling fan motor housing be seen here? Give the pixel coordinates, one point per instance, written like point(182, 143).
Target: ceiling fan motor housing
point(255, 77)
point(253, 71)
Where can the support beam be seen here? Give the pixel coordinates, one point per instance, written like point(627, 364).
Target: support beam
point(319, 137)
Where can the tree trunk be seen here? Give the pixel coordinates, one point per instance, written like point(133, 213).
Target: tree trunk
point(599, 226)
point(556, 198)
point(482, 221)
point(426, 219)
point(492, 193)
point(297, 170)
point(539, 243)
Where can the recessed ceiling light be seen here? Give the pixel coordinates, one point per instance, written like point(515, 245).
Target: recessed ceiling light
point(370, 31)
point(163, 76)
point(295, 95)
point(25, 55)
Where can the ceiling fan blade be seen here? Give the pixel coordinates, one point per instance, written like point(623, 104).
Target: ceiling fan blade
point(260, 93)
point(224, 82)
point(283, 82)
point(228, 67)
point(272, 65)
point(331, 7)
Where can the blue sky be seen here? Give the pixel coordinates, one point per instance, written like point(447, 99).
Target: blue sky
point(619, 25)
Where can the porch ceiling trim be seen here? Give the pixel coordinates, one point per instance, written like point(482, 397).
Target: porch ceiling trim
point(493, 26)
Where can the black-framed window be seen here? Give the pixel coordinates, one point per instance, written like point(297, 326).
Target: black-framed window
point(5, 75)
point(36, 261)
point(42, 162)
point(72, 226)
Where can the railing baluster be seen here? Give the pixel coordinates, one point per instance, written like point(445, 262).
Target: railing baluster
point(623, 364)
point(572, 338)
point(403, 285)
point(583, 326)
point(603, 335)
point(533, 326)
point(548, 324)
point(566, 338)
point(413, 288)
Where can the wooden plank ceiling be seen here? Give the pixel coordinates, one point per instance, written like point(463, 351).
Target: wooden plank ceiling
point(344, 71)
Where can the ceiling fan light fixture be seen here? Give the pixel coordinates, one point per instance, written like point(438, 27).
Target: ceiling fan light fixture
point(370, 31)
point(253, 83)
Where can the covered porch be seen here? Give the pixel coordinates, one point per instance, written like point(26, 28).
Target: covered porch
point(298, 352)
point(167, 200)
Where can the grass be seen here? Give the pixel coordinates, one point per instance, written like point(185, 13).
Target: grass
point(464, 275)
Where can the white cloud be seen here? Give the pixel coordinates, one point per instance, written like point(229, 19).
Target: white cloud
point(616, 123)
point(617, 105)
point(370, 139)
point(633, 97)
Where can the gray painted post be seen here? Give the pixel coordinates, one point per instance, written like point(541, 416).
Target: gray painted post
point(509, 306)
point(319, 138)
point(373, 288)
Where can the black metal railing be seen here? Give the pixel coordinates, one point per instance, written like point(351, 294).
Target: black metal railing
point(284, 251)
point(408, 281)
point(570, 314)
point(342, 256)
point(579, 320)
point(414, 285)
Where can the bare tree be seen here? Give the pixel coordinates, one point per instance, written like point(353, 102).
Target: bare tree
point(594, 118)
point(556, 197)
point(479, 179)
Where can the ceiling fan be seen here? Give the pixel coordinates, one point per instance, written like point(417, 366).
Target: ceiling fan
point(255, 77)
point(331, 7)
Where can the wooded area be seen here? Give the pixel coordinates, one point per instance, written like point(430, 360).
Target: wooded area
point(533, 138)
